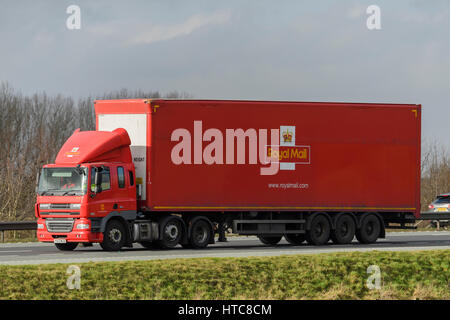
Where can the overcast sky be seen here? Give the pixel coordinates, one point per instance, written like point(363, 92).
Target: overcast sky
point(265, 50)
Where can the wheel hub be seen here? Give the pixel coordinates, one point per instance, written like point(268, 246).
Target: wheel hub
point(115, 235)
point(171, 231)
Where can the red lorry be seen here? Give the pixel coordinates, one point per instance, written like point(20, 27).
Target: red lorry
point(167, 172)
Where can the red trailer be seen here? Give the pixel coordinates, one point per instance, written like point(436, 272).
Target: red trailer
point(303, 170)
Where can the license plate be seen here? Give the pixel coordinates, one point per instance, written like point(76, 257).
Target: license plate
point(59, 241)
point(442, 209)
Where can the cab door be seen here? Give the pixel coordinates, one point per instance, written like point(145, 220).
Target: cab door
point(126, 202)
point(102, 203)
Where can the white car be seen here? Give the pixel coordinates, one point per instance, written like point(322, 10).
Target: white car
point(441, 205)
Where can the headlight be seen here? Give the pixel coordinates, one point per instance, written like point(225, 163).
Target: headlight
point(40, 226)
point(75, 205)
point(83, 226)
point(44, 206)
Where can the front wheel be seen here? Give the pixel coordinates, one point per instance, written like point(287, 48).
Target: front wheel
point(114, 236)
point(69, 246)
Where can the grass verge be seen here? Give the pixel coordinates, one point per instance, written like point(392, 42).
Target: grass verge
point(404, 275)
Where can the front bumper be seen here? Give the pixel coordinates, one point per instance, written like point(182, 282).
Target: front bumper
point(75, 235)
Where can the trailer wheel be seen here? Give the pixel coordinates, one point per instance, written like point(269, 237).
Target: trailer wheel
point(69, 246)
point(270, 240)
point(319, 231)
point(172, 231)
point(295, 239)
point(369, 230)
point(114, 236)
point(344, 231)
point(200, 234)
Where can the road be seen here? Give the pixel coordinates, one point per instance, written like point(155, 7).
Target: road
point(40, 253)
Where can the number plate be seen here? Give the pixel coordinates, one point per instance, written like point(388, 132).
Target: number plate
point(442, 209)
point(59, 241)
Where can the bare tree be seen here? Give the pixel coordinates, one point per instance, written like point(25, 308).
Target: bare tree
point(32, 130)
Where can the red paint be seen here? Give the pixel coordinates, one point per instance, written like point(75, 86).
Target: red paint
point(95, 146)
point(362, 157)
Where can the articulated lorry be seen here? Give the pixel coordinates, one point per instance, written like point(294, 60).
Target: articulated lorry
point(165, 172)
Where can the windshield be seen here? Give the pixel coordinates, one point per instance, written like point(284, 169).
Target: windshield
point(63, 181)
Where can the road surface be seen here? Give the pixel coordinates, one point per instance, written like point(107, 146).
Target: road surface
point(40, 253)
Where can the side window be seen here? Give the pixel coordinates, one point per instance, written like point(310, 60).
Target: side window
point(106, 182)
point(120, 177)
point(131, 178)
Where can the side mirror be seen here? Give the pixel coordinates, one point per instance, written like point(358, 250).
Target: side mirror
point(37, 182)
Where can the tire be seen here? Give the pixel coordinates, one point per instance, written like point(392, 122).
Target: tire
point(114, 236)
point(69, 246)
point(369, 230)
point(270, 240)
point(200, 234)
point(295, 239)
point(319, 231)
point(171, 233)
point(344, 231)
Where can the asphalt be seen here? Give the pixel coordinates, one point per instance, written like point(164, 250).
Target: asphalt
point(42, 253)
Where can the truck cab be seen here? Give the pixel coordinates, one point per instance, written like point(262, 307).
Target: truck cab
point(91, 182)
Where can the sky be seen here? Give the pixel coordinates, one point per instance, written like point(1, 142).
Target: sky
point(248, 49)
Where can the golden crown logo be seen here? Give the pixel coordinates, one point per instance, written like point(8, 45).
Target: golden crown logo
point(287, 136)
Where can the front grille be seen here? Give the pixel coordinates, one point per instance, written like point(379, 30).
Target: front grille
point(52, 213)
point(59, 225)
point(60, 206)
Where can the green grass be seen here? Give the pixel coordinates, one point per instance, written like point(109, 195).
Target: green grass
point(405, 275)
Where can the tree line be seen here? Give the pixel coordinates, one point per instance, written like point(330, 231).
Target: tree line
point(33, 128)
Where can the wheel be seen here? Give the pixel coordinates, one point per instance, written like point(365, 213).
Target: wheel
point(200, 234)
point(319, 232)
point(69, 246)
point(114, 236)
point(172, 231)
point(270, 240)
point(369, 230)
point(345, 230)
point(295, 239)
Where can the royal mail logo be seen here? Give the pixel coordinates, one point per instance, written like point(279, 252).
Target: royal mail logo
point(287, 136)
point(295, 154)
point(238, 146)
point(73, 152)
